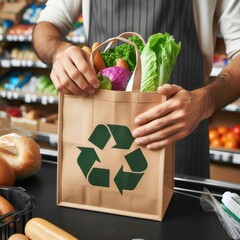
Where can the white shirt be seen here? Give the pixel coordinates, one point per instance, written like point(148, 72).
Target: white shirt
point(211, 18)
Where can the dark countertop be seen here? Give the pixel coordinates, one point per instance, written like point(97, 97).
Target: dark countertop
point(183, 220)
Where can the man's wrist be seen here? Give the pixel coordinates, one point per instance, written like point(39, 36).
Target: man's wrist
point(205, 101)
point(59, 48)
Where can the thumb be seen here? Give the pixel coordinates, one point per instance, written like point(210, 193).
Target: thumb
point(168, 89)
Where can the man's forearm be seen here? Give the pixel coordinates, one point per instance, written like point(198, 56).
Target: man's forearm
point(47, 41)
point(223, 90)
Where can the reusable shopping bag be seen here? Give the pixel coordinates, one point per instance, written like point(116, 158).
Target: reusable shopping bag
point(100, 168)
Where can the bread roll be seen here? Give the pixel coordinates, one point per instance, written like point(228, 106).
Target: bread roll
point(18, 236)
point(41, 229)
point(6, 207)
point(22, 153)
point(7, 174)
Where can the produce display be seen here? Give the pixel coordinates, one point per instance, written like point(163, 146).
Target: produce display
point(45, 85)
point(158, 58)
point(225, 137)
point(27, 82)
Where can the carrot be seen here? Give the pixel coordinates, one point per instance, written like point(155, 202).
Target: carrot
point(99, 63)
point(87, 49)
point(122, 63)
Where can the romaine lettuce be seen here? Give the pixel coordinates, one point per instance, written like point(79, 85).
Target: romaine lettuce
point(158, 58)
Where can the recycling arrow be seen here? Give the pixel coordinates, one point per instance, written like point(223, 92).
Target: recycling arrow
point(121, 134)
point(101, 176)
point(86, 159)
point(127, 180)
point(100, 136)
point(136, 161)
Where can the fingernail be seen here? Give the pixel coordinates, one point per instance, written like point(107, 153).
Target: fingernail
point(135, 133)
point(149, 147)
point(96, 86)
point(138, 141)
point(137, 121)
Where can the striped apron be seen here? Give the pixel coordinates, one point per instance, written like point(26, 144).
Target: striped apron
point(109, 18)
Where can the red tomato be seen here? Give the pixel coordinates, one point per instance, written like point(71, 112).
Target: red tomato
point(231, 143)
point(217, 142)
point(232, 135)
point(236, 129)
point(213, 134)
point(222, 130)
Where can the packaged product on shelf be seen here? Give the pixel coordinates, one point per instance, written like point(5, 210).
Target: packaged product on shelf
point(45, 85)
point(49, 123)
point(5, 25)
point(13, 10)
point(21, 29)
point(16, 80)
point(31, 14)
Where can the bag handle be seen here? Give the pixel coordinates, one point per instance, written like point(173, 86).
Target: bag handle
point(137, 73)
point(125, 35)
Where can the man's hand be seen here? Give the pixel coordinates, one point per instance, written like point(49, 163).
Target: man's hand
point(72, 74)
point(171, 120)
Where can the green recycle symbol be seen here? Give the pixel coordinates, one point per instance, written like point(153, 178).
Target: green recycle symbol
point(101, 176)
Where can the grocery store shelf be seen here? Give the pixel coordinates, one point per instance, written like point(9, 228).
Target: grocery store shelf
point(215, 71)
point(233, 107)
point(7, 63)
point(77, 39)
point(48, 152)
point(29, 97)
point(225, 156)
point(16, 38)
point(28, 38)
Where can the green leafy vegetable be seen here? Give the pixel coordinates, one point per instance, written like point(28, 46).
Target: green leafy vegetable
point(158, 58)
point(125, 51)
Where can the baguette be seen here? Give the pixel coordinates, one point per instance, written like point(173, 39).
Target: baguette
point(99, 63)
point(41, 229)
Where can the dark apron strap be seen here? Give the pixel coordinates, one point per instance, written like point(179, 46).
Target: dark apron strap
point(108, 18)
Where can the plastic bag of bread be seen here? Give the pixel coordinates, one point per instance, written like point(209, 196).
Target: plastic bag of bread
point(5, 126)
point(21, 152)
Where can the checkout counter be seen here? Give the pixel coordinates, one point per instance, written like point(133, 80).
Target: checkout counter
point(185, 219)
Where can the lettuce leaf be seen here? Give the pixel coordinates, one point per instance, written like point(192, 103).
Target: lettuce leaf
point(158, 59)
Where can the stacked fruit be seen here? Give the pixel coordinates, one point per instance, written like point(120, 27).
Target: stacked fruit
point(223, 136)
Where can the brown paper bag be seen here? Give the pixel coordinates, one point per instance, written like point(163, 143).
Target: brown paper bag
point(100, 168)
